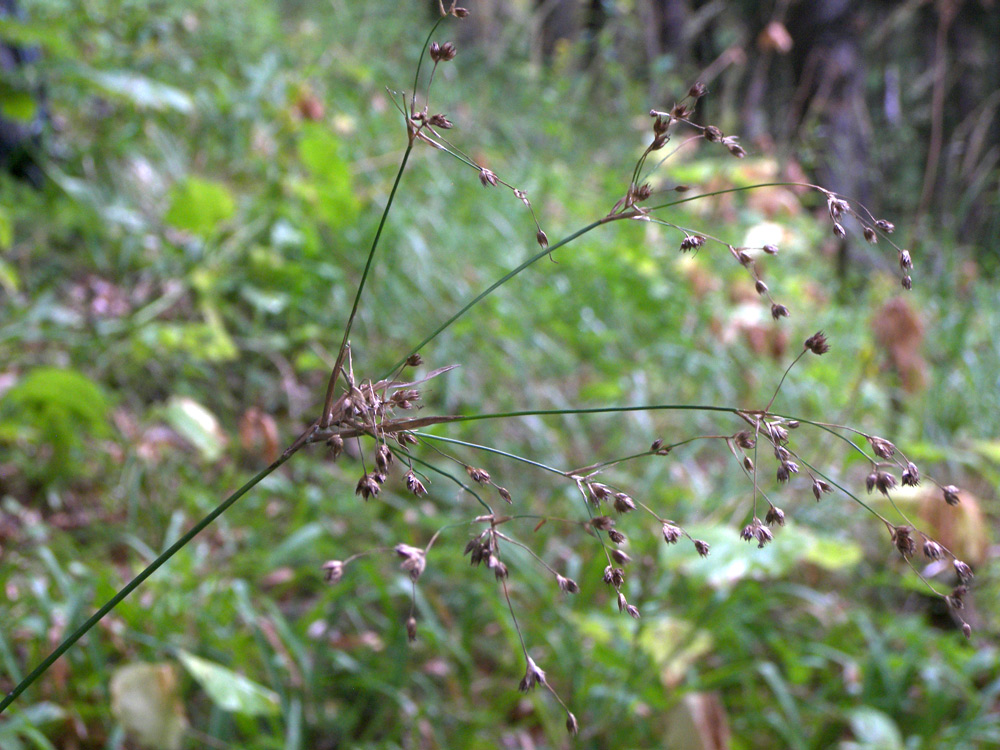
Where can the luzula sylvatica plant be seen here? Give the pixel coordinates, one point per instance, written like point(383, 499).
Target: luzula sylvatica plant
point(377, 412)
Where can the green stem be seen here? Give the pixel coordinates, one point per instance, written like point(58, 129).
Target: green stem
point(488, 449)
point(331, 388)
point(497, 284)
point(136, 582)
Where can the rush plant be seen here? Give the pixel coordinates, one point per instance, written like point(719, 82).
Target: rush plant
point(377, 412)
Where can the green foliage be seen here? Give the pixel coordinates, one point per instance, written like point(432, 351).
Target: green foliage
point(193, 335)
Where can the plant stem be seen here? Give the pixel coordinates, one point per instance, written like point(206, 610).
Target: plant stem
point(137, 581)
point(331, 387)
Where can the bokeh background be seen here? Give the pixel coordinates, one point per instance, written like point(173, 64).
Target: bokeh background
point(187, 197)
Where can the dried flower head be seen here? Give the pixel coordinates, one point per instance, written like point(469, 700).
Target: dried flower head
point(505, 494)
point(532, 676)
point(884, 481)
point(697, 90)
point(910, 476)
point(414, 560)
point(882, 447)
point(819, 487)
point(542, 239)
point(480, 476)
point(567, 585)
point(333, 571)
point(870, 235)
point(488, 178)
point(778, 311)
point(368, 485)
point(620, 556)
point(571, 724)
point(903, 539)
point(951, 494)
point(616, 536)
point(623, 503)
point(964, 571)
point(932, 550)
point(775, 516)
point(712, 133)
point(671, 533)
point(440, 121)
point(702, 547)
point(886, 226)
point(817, 343)
point(692, 242)
point(602, 523)
point(411, 629)
point(442, 52)
point(414, 485)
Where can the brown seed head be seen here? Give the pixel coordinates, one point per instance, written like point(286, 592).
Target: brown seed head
point(712, 133)
point(602, 523)
point(882, 447)
point(633, 611)
point(760, 286)
point(505, 494)
point(775, 516)
point(698, 90)
point(411, 629)
point(884, 481)
point(905, 261)
point(932, 550)
point(702, 547)
point(616, 536)
point(956, 600)
point(333, 571)
point(731, 142)
point(478, 475)
point(542, 239)
point(620, 557)
point(460, 12)
point(414, 360)
point(964, 571)
point(567, 585)
point(440, 121)
point(368, 486)
point(532, 676)
point(906, 282)
point(442, 52)
point(336, 445)
point(870, 235)
point(838, 229)
point(671, 533)
point(571, 724)
point(779, 311)
point(745, 440)
point(910, 476)
point(817, 343)
point(951, 494)
point(886, 226)
point(771, 249)
point(692, 242)
point(623, 503)
point(901, 537)
point(414, 560)
point(414, 485)
point(967, 630)
point(819, 487)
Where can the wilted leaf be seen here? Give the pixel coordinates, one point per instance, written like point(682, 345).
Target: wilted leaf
point(146, 701)
point(229, 690)
point(197, 425)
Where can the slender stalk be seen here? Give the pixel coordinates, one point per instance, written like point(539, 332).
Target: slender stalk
point(496, 285)
point(332, 386)
point(137, 581)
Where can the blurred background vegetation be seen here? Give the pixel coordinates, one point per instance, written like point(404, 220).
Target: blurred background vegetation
point(188, 193)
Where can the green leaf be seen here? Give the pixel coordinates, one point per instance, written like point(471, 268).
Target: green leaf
point(197, 425)
point(331, 190)
point(17, 105)
point(874, 730)
point(199, 206)
point(143, 92)
point(6, 230)
point(229, 690)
